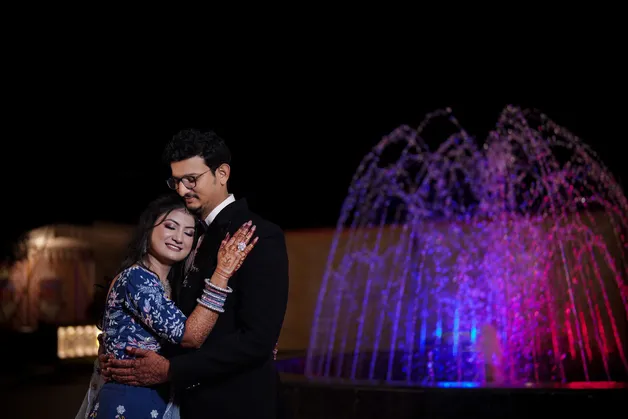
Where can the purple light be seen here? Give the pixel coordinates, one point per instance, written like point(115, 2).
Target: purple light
point(501, 263)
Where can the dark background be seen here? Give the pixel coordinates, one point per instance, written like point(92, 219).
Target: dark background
point(83, 146)
point(87, 107)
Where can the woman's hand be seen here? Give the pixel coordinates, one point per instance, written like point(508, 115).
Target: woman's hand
point(234, 250)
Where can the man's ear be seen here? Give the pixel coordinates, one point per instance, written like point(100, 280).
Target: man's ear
point(222, 173)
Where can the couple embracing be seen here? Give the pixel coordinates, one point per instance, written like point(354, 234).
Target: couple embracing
point(192, 318)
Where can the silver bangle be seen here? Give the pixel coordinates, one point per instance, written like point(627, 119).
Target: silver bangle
point(228, 290)
point(210, 306)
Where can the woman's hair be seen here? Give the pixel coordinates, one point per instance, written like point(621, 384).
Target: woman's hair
point(140, 241)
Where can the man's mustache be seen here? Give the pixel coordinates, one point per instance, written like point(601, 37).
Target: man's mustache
point(190, 195)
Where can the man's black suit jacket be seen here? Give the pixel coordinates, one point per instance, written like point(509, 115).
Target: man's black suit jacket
point(233, 374)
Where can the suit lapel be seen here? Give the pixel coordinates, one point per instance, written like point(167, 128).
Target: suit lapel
point(206, 255)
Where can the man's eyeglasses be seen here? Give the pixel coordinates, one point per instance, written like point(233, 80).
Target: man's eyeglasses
point(188, 181)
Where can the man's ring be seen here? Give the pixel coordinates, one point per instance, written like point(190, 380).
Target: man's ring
point(241, 246)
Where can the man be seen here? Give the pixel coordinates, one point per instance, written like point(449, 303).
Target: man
point(233, 374)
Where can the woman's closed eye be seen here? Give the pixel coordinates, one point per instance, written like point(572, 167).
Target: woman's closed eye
point(187, 233)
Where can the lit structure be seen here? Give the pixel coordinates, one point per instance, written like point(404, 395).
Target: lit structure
point(77, 341)
point(54, 281)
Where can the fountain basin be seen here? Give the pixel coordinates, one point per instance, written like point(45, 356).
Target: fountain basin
point(307, 397)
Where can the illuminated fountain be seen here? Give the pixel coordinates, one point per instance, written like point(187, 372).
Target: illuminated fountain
point(501, 262)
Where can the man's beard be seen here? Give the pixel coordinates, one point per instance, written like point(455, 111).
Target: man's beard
point(195, 211)
point(198, 212)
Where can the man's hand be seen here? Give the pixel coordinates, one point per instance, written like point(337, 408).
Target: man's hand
point(104, 364)
point(103, 359)
point(148, 368)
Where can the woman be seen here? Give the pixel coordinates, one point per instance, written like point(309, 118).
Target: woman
point(139, 312)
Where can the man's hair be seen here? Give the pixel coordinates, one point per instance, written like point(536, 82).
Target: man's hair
point(189, 143)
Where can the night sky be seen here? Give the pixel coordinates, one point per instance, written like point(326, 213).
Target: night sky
point(88, 149)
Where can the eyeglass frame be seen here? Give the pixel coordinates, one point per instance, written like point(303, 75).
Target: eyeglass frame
point(191, 180)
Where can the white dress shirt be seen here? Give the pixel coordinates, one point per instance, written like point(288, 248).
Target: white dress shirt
point(212, 215)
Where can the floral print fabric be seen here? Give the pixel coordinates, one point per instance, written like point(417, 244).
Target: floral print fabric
point(139, 314)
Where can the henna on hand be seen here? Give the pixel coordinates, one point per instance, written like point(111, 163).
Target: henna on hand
point(231, 255)
point(103, 359)
point(233, 250)
point(147, 369)
point(104, 363)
